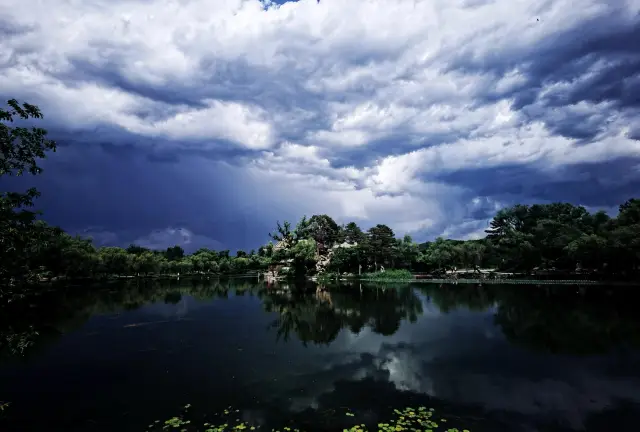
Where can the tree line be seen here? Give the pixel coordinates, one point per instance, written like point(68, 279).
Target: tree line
point(558, 237)
point(552, 237)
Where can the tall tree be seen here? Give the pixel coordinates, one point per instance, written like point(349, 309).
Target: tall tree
point(353, 234)
point(381, 245)
point(20, 149)
point(283, 234)
point(407, 252)
point(174, 253)
point(629, 213)
point(324, 230)
point(302, 229)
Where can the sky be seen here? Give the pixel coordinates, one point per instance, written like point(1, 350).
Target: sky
point(201, 123)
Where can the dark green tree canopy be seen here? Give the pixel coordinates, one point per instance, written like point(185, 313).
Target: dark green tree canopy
point(353, 234)
point(21, 147)
point(135, 249)
point(324, 230)
point(174, 253)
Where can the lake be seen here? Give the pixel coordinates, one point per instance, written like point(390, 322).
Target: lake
point(120, 356)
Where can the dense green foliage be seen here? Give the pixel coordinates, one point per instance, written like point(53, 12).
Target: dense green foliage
point(390, 275)
point(555, 237)
point(19, 150)
point(552, 237)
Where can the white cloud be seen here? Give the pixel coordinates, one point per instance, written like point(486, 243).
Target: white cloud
point(158, 239)
point(190, 242)
point(231, 121)
point(402, 91)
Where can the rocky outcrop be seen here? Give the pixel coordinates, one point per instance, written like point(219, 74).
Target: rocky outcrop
point(323, 257)
point(323, 260)
point(279, 270)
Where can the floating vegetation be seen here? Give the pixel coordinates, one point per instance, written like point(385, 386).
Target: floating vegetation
point(411, 419)
point(421, 419)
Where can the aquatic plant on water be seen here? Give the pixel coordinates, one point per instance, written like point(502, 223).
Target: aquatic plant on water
point(421, 419)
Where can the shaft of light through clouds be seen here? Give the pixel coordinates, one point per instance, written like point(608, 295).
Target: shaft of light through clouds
point(217, 118)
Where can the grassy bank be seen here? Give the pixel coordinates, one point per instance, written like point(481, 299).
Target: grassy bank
point(381, 276)
point(389, 275)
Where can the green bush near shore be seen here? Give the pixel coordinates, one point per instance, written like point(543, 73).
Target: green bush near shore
point(392, 274)
point(387, 275)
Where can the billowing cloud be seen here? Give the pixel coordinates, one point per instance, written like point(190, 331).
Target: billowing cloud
point(425, 115)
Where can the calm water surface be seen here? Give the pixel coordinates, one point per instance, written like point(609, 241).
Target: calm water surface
point(492, 358)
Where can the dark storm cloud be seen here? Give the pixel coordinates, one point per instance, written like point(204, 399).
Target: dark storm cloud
point(118, 196)
point(9, 29)
point(359, 93)
point(577, 125)
point(598, 184)
point(394, 144)
point(122, 144)
point(477, 210)
point(597, 60)
point(375, 150)
point(228, 80)
point(219, 151)
point(111, 73)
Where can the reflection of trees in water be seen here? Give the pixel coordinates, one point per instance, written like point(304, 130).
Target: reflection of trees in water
point(309, 318)
point(41, 319)
point(565, 320)
point(450, 297)
point(309, 324)
point(559, 319)
point(319, 318)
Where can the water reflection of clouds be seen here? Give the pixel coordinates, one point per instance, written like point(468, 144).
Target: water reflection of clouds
point(461, 358)
point(405, 371)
